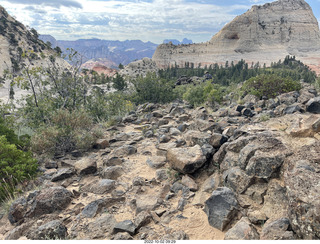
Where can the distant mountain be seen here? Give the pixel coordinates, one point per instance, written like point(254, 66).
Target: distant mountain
point(177, 42)
point(116, 52)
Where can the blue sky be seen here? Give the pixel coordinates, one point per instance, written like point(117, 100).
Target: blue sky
point(146, 20)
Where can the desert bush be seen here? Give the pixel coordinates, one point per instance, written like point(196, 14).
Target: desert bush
point(152, 89)
point(205, 92)
point(269, 86)
point(65, 132)
point(15, 166)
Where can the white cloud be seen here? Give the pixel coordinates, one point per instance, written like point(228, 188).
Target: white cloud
point(147, 20)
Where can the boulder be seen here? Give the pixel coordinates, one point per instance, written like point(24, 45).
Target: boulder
point(99, 186)
point(93, 208)
point(101, 144)
point(62, 174)
point(156, 162)
point(303, 190)
point(86, 166)
point(125, 226)
point(313, 106)
point(39, 203)
point(53, 230)
point(189, 182)
point(221, 208)
point(186, 160)
point(112, 173)
point(194, 137)
point(124, 151)
point(242, 230)
point(279, 229)
point(236, 179)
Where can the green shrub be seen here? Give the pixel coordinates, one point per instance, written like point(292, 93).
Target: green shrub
point(153, 89)
point(119, 83)
point(65, 132)
point(15, 166)
point(270, 86)
point(205, 92)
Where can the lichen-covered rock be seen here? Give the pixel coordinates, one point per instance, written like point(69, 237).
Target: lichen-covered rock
point(54, 230)
point(303, 189)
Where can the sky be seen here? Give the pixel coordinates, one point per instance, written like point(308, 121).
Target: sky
point(146, 20)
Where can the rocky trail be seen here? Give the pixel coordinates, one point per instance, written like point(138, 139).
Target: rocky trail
point(241, 172)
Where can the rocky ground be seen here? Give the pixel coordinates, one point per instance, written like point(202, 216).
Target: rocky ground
point(246, 171)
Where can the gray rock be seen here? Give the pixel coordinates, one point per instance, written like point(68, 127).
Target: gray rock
point(247, 112)
point(113, 172)
point(112, 161)
point(243, 230)
point(54, 230)
point(51, 165)
point(101, 228)
point(217, 140)
point(186, 160)
point(125, 226)
point(236, 179)
point(122, 236)
point(189, 182)
point(161, 175)
point(221, 208)
point(263, 165)
point(99, 186)
point(124, 151)
point(156, 162)
point(194, 137)
point(39, 203)
point(63, 174)
point(313, 106)
point(302, 184)
point(93, 208)
point(164, 138)
point(208, 150)
point(142, 219)
point(183, 127)
point(174, 132)
point(86, 166)
point(277, 230)
point(295, 108)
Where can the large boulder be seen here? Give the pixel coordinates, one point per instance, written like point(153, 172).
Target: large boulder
point(186, 160)
point(39, 203)
point(221, 208)
point(302, 179)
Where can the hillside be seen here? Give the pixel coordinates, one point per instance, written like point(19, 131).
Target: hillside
point(262, 34)
point(169, 172)
point(15, 40)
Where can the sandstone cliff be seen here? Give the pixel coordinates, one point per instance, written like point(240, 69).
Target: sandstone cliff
point(264, 33)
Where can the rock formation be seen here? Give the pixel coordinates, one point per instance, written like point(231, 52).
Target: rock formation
point(263, 34)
